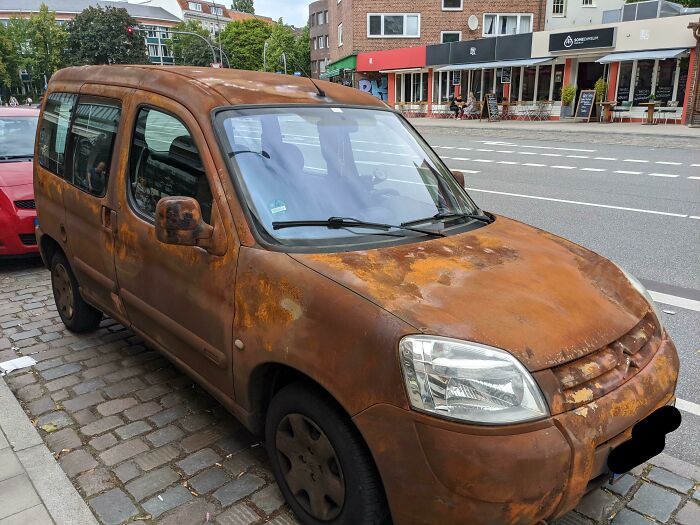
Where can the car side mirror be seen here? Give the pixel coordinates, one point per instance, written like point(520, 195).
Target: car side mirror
point(459, 177)
point(179, 221)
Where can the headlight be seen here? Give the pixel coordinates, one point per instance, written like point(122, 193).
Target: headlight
point(468, 381)
point(642, 290)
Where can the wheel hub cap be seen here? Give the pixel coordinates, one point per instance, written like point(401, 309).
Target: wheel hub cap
point(63, 291)
point(310, 467)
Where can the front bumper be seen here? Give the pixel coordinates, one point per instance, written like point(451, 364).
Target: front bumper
point(16, 225)
point(438, 471)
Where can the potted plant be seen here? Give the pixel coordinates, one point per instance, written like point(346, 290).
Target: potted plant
point(601, 91)
point(568, 95)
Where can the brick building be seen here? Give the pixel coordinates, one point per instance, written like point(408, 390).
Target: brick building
point(318, 31)
point(360, 26)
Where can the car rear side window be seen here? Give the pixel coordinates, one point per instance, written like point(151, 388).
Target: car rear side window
point(165, 162)
point(53, 135)
point(93, 133)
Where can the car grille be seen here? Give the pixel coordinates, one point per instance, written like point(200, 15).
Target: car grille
point(26, 205)
point(28, 239)
point(594, 375)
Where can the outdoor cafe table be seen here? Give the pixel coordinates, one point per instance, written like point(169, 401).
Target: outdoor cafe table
point(651, 108)
point(607, 109)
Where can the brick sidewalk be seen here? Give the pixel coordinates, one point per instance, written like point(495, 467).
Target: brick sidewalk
point(140, 441)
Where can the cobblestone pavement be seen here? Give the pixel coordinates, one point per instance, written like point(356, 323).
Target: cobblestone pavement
point(140, 441)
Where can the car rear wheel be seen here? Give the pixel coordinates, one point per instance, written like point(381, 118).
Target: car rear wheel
point(320, 461)
point(76, 314)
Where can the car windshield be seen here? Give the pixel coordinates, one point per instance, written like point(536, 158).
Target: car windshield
point(316, 163)
point(17, 137)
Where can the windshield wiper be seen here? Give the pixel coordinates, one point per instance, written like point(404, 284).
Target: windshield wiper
point(349, 222)
point(441, 216)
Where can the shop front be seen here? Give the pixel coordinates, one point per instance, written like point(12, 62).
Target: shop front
point(341, 71)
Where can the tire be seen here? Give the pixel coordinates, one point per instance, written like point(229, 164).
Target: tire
point(318, 469)
point(76, 314)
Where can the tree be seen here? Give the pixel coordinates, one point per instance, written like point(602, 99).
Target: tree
point(244, 41)
point(189, 50)
point(244, 6)
point(100, 36)
point(48, 41)
point(6, 55)
point(302, 52)
point(281, 40)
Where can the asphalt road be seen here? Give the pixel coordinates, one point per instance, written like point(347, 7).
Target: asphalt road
point(638, 206)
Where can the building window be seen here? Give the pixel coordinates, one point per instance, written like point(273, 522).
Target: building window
point(313, 40)
point(544, 82)
point(312, 19)
point(451, 5)
point(450, 36)
point(558, 7)
point(412, 88)
point(327, 46)
point(507, 24)
point(587, 3)
point(216, 11)
point(320, 17)
point(153, 50)
point(320, 42)
point(340, 34)
point(393, 25)
point(325, 16)
point(194, 6)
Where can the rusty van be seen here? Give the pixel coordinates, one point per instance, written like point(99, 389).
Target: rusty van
point(298, 249)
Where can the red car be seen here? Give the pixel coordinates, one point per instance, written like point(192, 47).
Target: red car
point(17, 209)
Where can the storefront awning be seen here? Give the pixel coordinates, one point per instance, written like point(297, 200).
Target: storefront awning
point(501, 63)
point(405, 70)
point(660, 54)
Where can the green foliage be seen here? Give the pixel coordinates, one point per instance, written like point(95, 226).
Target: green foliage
point(568, 94)
point(99, 36)
point(244, 6)
point(244, 41)
point(601, 89)
point(281, 40)
point(35, 44)
point(302, 52)
point(189, 50)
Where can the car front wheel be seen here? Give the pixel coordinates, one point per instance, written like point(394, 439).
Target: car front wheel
point(320, 461)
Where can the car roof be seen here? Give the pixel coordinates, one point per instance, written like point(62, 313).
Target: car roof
point(19, 112)
point(204, 88)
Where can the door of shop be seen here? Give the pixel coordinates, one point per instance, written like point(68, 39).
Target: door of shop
point(588, 73)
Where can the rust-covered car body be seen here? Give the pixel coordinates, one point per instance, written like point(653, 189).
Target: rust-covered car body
point(237, 314)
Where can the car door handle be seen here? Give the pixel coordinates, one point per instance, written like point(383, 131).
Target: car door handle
point(109, 219)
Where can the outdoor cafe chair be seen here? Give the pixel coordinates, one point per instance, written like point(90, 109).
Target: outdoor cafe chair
point(619, 110)
point(669, 111)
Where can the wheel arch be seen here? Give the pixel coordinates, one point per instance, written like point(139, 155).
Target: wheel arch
point(48, 247)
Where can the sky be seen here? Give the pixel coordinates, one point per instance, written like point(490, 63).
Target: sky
point(293, 12)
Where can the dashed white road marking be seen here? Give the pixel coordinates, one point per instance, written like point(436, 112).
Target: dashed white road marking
point(457, 158)
point(687, 406)
point(526, 153)
point(581, 203)
point(551, 154)
point(560, 149)
point(668, 163)
point(564, 167)
point(696, 165)
point(664, 175)
point(635, 160)
point(674, 300)
point(533, 164)
point(504, 151)
point(629, 172)
point(507, 162)
point(578, 156)
point(465, 149)
point(604, 158)
point(481, 149)
point(694, 217)
point(694, 178)
point(482, 160)
point(470, 171)
point(593, 169)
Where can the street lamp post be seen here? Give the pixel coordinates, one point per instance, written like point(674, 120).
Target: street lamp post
point(218, 25)
point(265, 55)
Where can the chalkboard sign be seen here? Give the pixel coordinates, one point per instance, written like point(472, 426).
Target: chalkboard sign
point(489, 109)
point(586, 101)
point(505, 75)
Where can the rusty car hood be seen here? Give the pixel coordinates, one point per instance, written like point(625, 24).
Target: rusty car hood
point(512, 286)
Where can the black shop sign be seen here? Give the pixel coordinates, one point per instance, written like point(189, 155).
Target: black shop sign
point(588, 39)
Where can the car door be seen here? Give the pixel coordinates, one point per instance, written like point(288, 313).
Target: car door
point(91, 217)
point(179, 297)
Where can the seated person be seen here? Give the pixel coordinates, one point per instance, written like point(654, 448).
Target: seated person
point(470, 105)
point(456, 105)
